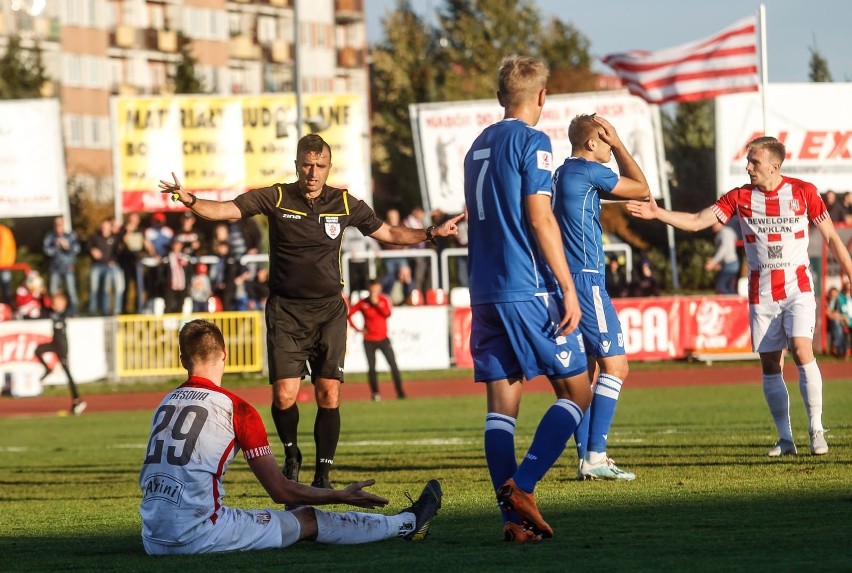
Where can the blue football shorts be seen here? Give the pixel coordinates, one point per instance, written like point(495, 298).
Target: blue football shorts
point(600, 326)
point(510, 340)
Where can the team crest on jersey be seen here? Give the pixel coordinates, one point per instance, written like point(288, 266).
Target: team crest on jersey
point(544, 159)
point(775, 251)
point(796, 206)
point(620, 340)
point(332, 227)
point(262, 518)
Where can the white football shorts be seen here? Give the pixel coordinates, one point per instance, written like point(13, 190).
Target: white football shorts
point(237, 530)
point(773, 324)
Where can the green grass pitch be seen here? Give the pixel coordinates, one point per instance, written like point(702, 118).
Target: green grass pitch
point(706, 497)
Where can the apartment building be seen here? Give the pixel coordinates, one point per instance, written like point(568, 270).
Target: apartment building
point(95, 49)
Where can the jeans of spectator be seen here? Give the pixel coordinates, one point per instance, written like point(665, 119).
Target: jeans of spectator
point(392, 267)
point(67, 279)
point(726, 280)
point(134, 273)
point(6, 289)
point(461, 271)
point(105, 278)
point(836, 337)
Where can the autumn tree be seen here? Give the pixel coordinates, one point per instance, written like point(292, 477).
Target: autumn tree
point(818, 65)
point(186, 79)
point(22, 73)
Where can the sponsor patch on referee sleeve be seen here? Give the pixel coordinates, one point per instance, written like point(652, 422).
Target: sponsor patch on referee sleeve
point(544, 160)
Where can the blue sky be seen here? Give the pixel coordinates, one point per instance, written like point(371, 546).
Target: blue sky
point(792, 27)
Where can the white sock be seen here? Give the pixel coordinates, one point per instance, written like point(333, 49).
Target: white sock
point(595, 458)
point(810, 386)
point(778, 400)
point(356, 527)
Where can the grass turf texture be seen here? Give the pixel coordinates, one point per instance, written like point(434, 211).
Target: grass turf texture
point(706, 497)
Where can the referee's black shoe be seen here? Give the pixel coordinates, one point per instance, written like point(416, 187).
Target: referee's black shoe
point(424, 509)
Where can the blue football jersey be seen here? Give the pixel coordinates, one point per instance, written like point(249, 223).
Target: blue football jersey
point(508, 161)
point(577, 185)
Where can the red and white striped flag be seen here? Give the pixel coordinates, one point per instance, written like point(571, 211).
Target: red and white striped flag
point(724, 63)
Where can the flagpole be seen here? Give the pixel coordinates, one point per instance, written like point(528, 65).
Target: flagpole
point(664, 189)
point(764, 72)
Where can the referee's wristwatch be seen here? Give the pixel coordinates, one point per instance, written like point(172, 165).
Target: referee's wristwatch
point(429, 236)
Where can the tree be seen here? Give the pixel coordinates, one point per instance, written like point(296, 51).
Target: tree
point(455, 60)
point(22, 73)
point(406, 68)
point(186, 80)
point(819, 71)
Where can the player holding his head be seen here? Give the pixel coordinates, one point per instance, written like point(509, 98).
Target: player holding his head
point(521, 326)
point(196, 433)
point(578, 186)
point(774, 212)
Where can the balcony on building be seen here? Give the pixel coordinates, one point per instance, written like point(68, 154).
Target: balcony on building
point(123, 36)
point(350, 58)
point(348, 10)
point(161, 40)
point(243, 48)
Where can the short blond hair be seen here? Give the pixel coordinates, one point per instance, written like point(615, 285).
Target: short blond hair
point(519, 78)
point(581, 129)
point(774, 147)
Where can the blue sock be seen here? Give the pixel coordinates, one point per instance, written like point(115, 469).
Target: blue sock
point(581, 436)
point(500, 452)
point(556, 427)
point(602, 411)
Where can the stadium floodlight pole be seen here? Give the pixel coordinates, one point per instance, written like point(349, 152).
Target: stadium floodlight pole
point(297, 69)
point(764, 72)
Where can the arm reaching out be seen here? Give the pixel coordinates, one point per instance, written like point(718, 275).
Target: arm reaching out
point(212, 210)
point(686, 221)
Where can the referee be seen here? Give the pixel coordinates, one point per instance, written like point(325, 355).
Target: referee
point(306, 312)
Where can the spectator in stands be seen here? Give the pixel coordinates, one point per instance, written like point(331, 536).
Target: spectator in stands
point(835, 323)
point(391, 265)
point(361, 249)
point(244, 239)
point(615, 280)
point(227, 272)
point(158, 241)
point(725, 259)
point(402, 290)
point(188, 237)
point(130, 252)
point(31, 298)
point(200, 289)
point(177, 263)
point(103, 250)
point(8, 252)
point(844, 302)
point(376, 309)
point(258, 289)
point(836, 209)
point(419, 265)
point(644, 283)
point(62, 247)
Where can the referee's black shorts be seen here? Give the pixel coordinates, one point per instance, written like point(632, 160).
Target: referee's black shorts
point(306, 331)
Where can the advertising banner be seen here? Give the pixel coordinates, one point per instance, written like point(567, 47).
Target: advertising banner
point(221, 146)
point(418, 336)
point(445, 131)
point(813, 120)
point(32, 161)
point(658, 328)
point(19, 338)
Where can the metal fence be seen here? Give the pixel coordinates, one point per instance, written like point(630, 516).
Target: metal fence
point(147, 345)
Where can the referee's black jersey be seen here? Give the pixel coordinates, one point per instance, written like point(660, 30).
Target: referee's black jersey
point(304, 239)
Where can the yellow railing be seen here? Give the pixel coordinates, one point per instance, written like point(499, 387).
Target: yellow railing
point(148, 345)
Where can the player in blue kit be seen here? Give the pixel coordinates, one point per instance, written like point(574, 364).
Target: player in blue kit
point(578, 186)
point(522, 327)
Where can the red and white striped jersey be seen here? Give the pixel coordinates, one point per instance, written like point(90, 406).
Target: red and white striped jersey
point(196, 432)
point(775, 235)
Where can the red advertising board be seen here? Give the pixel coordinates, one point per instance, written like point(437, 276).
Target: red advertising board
point(657, 328)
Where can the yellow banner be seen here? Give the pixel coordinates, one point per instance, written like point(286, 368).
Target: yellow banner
point(221, 146)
